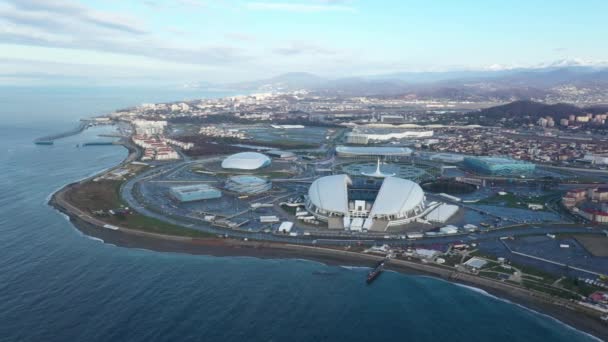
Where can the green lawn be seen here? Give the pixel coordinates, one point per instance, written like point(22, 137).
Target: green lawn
point(518, 201)
point(153, 225)
point(549, 290)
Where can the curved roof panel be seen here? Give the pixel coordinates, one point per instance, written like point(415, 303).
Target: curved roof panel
point(397, 196)
point(330, 193)
point(246, 161)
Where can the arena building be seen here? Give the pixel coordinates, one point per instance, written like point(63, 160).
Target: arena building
point(499, 166)
point(247, 185)
point(246, 161)
point(373, 152)
point(196, 192)
point(364, 137)
point(365, 203)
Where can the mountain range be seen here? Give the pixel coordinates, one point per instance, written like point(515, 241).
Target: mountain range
point(528, 112)
point(546, 83)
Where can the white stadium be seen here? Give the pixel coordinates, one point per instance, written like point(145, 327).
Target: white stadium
point(373, 151)
point(398, 201)
point(246, 161)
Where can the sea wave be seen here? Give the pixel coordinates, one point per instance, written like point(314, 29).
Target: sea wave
point(94, 238)
point(485, 293)
point(79, 232)
point(482, 292)
point(355, 268)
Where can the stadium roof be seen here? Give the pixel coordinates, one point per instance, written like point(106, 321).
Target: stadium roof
point(331, 193)
point(379, 150)
point(247, 179)
point(397, 196)
point(246, 161)
point(498, 160)
point(192, 188)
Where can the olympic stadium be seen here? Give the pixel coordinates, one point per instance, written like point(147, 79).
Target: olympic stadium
point(246, 161)
point(363, 152)
point(361, 203)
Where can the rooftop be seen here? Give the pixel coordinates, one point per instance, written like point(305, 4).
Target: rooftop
point(377, 150)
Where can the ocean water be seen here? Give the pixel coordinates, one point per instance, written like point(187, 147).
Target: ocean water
point(58, 285)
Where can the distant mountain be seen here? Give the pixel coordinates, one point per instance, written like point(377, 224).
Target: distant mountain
point(549, 84)
point(288, 81)
point(519, 113)
point(545, 76)
point(530, 109)
point(552, 77)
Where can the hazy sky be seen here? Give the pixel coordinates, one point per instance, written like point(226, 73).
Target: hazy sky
point(180, 41)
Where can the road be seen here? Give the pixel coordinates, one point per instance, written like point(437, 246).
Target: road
point(329, 237)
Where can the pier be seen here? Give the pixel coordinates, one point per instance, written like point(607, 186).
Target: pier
point(49, 139)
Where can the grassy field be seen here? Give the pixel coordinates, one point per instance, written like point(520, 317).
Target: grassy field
point(104, 195)
point(518, 201)
point(491, 275)
point(549, 290)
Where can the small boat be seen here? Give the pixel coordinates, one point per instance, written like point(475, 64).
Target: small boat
point(373, 274)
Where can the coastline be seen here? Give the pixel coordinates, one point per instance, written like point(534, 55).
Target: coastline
point(219, 247)
point(565, 312)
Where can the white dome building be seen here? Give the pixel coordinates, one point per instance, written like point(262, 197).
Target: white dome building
point(398, 201)
point(246, 161)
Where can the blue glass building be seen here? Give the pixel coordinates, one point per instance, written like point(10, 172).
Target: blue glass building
point(499, 166)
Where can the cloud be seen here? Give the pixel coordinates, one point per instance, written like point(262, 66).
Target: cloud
point(62, 13)
point(325, 6)
point(240, 36)
point(304, 48)
point(175, 3)
point(195, 3)
point(65, 24)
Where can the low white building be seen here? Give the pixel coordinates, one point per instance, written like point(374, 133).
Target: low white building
point(448, 229)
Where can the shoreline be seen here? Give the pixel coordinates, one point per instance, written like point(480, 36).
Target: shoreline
point(576, 317)
point(219, 247)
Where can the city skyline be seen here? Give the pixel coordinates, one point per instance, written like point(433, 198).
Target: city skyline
point(181, 41)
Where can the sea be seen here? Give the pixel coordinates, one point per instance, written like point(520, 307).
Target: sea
point(57, 284)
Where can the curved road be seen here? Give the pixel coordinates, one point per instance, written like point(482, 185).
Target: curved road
point(331, 238)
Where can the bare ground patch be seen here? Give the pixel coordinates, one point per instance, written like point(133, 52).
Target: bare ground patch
point(594, 244)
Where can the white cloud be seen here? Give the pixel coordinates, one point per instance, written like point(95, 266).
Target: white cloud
point(66, 24)
point(58, 13)
point(299, 7)
point(304, 48)
point(240, 36)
